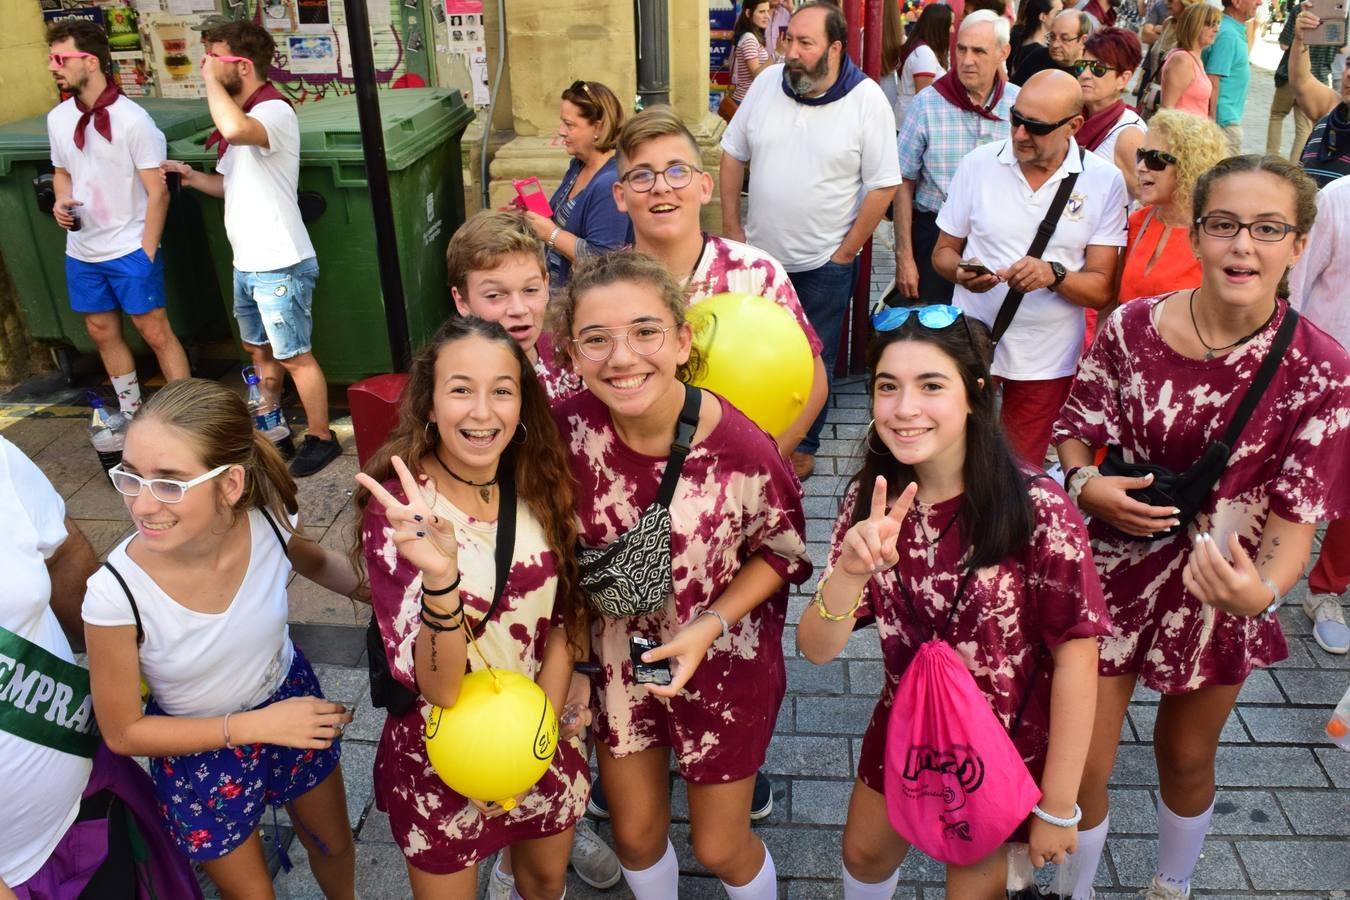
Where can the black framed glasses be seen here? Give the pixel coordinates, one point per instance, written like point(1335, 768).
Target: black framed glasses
point(1095, 66)
point(677, 175)
point(1267, 231)
point(644, 339)
point(1036, 126)
point(1154, 160)
point(936, 316)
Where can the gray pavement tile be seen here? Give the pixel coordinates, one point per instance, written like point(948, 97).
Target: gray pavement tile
point(805, 677)
point(1267, 767)
point(1260, 687)
point(1218, 867)
point(866, 677)
point(95, 499)
point(1303, 654)
point(820, 508)
point(1337, 765)
point(834, 715)
point(819, 530)
point(1316, 687)
point(852, 401)
point(325, 493)
point(342, 684)
point(1323, 659)
point(1296, 865)
point(863, 644)
point(69, 467)
point(368, 722)
point(104, 534)
point(786, 723)
point(808, 756)
point(1132, 811)
point(922, 868)
point(1143, 716)
point(1275, 725)
point(801, 889)
point(1247, 812)
point(358, 775)
point(33, 434)
point(820, 802)
point(1292, 619)
point(1317, 812)
point(1143, 694)
point(375, 829)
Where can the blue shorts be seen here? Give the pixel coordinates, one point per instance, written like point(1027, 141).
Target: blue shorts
point(274, 307)
point(131, 283)
point(212, 802)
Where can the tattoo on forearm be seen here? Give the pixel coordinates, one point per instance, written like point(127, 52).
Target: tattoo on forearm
point(433, 651)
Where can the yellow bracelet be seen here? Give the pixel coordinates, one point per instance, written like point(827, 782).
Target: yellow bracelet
point(829, 616)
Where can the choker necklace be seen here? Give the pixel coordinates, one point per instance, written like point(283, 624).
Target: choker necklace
point(484, 487)
point(934, 541)
point(1210, 352)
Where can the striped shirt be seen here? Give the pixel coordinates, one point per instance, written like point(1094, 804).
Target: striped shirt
point(1327, 163)
point(935, 136)
point(748, 51)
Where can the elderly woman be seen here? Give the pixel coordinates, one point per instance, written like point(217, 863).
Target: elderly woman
point(1185, 84)
point(1110, 129)
point(585, 220)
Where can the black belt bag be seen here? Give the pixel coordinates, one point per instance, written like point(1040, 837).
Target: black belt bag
point(1189, 491)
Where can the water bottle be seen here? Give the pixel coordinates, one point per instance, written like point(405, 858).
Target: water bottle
point(107, 432)
point(267, 415)
point(1338, 729)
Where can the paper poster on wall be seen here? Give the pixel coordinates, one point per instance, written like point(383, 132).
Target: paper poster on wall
point(279, 15)
point(453, 7)
point(132, 73)
point(312, 12)
point(91, 13)
point(312, 54)
point(176, 51)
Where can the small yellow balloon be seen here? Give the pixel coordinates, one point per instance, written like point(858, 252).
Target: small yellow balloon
point(497, 740)
point(756, 355)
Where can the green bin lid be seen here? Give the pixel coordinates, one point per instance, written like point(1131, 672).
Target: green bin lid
point(26, 140)
point(415, 120)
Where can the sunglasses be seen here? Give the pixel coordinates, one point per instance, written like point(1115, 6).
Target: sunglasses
point(59, 59)
point(1036, 126)
point(1095, 66)
point(1154, 160)
point(226, 58)
point(935, 317)
point(581, 86)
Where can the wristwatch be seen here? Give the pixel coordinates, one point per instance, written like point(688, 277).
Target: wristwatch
point(1059, 272)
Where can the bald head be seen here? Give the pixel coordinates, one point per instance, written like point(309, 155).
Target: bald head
point(1050, 95)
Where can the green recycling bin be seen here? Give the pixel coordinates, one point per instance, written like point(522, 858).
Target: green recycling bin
point(35, 246)
point(422, 131)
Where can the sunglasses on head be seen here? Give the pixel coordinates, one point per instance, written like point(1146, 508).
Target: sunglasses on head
point(1095, 66)
point(1154, 160)
point(1036, 126)
point(581, 86)
point(937, 316)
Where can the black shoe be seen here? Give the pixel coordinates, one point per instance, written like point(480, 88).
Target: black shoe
point(762, 802)
point(314, 454)
point(597, 805)
point(286, 447)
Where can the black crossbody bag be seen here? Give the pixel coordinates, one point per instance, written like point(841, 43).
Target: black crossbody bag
point(1188, 491)
point(386, 691)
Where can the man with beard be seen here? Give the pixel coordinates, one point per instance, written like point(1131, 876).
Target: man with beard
point(819, 133)
point(1326, 156)
point(110, 200)
point(1063, 47)
point(257, 141)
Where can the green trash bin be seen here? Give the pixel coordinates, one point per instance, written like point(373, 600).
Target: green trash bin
point(422, 131)
point(35, 246)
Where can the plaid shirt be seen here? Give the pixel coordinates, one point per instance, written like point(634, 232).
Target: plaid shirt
point(935, 136)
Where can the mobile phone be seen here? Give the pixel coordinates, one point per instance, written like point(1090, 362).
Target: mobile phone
point(530, 194)
point(974, 267)
point(1331, 33)
point(647, 673)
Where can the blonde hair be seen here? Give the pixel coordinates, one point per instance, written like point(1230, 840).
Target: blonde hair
point(484, 241)
point(1192, 22)
point(1198, 145)
point(652, 123)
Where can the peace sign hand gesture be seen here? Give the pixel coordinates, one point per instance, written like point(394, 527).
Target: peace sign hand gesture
point(422, 538)
point(869, 546)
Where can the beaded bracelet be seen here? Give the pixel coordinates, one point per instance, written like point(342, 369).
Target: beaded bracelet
point(828, 616)
point(1276, 602)
point(721, 618)
point(1056, 820)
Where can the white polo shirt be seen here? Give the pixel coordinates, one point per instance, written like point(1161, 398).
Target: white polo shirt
point(991, 206)
point(810, 166)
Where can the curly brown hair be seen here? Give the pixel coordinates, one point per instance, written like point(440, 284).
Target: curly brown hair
point(542, 476)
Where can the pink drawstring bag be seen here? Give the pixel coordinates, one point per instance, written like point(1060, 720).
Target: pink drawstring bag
point(955, 785)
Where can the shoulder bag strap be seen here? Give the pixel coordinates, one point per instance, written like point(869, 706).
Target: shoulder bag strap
point(1044, 231)
point(275, 530)
point(679, 448)
point(503, 554)
point(135, 610)
point(1274, 357)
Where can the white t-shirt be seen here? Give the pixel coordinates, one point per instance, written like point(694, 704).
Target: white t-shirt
point(262, 217)
point(991, 206)
point(810, 166)
point(103, 177)
point(1128, 119)
point(923, 61)
point(41, 786)
point(200, 664)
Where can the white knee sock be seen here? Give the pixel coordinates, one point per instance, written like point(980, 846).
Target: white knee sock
point(128, 391)
point(764, 886)
point(1180, 841)
point(1074, 878)
point(515, 895)
point(659, 882)
point(858, 890)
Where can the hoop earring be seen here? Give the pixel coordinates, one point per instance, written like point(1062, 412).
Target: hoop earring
point(426, 430)
point(523, 437)
point(867, 439)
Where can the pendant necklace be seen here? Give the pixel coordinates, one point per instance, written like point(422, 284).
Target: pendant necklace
point(934, 541)
point(484, 487)
point(1210, 352)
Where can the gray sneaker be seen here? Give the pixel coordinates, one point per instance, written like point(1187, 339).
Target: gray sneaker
point(499, 883)
point(1161, 890)
point(592, 859)
point(1328, 620)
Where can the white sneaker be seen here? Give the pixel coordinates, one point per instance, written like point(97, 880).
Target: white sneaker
point(500, 884)
point(1161, 890)
point(592, 859)
point(1329, 629)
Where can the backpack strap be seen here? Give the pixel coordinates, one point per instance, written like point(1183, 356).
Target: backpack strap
point(135, 610)
point(679, 448)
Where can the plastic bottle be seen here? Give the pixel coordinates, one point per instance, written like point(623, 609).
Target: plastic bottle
point(267, 415)
point(1338, 729)
point(107, 432)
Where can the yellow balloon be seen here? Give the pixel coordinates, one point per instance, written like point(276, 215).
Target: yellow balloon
point(497, 740)
point(756, 355)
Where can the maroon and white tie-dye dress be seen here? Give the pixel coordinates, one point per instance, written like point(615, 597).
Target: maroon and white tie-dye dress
point(1009, 620)
point(438, 830)
point(736, 499)
point(555, 372)
point(1135, 391)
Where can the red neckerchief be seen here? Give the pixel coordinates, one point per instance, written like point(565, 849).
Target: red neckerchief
point(264, 92)
point(98, 112)
point(1097, 126)
point(954, 92)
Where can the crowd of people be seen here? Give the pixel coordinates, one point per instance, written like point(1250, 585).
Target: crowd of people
point(555, 486)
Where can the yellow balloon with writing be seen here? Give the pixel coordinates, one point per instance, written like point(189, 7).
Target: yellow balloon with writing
point(497, 740)
point(756, 355)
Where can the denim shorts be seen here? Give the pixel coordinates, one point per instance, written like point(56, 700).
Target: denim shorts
point(131, 283)
point(274, 307)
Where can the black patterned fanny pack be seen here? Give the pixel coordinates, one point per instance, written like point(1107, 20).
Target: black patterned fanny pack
point(631, 576)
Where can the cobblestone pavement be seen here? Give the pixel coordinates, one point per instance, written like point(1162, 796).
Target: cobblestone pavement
point(1281, 824)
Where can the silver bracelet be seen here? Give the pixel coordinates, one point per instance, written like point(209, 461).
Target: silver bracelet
point(1056, 820)
point(557, 230)
point(1276, 602)
point(721, 618)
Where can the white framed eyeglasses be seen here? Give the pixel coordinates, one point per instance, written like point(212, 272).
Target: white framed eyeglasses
point(165, 490)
